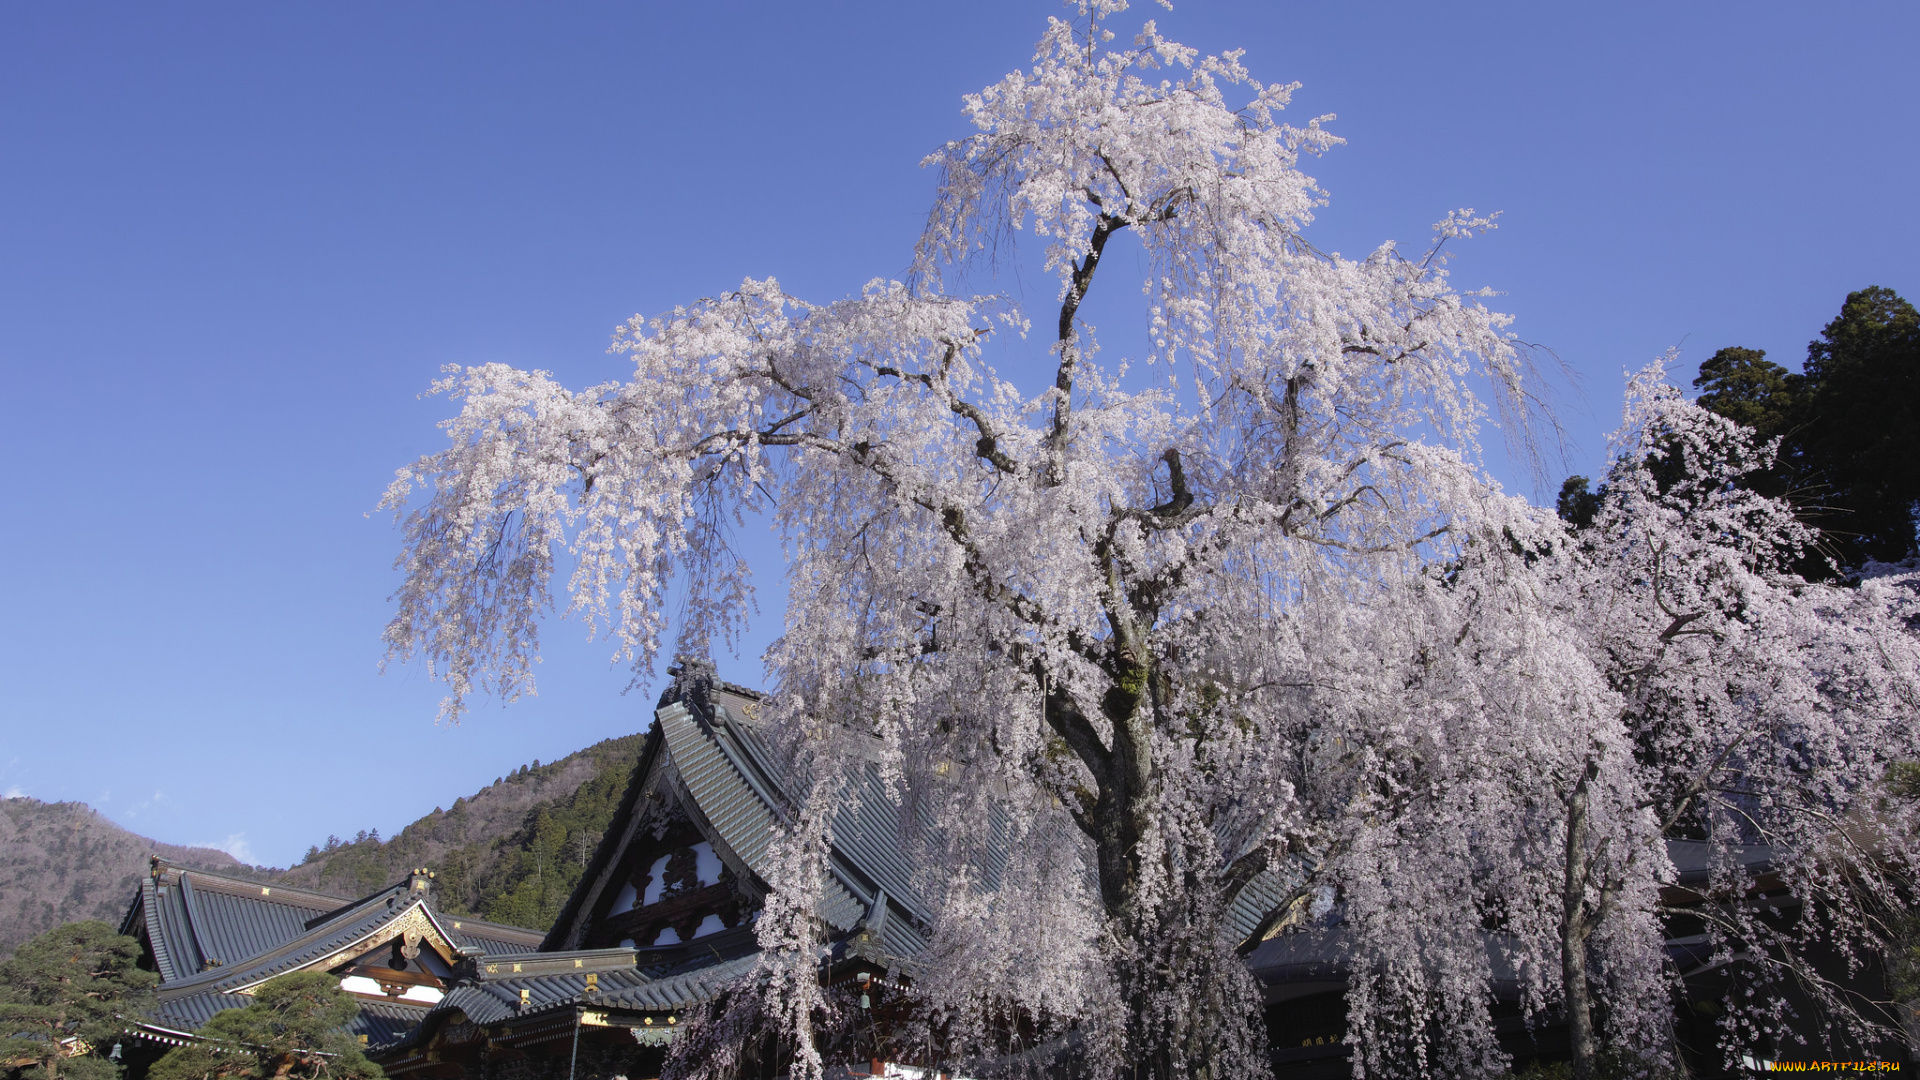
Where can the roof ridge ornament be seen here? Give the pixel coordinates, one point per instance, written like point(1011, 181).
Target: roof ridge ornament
point(693, 682)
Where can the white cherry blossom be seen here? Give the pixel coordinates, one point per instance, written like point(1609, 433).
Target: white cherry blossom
point(1264, 614)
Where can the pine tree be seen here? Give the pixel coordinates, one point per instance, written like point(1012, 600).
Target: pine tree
point(294, 1030)
point(61, 996)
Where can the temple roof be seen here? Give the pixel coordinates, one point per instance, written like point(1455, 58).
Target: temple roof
point(194, 920)
point(556, 982)
point(629, 988)
point(213, 931)
point(213, 938)
point(729, 769)
point(174, 1019)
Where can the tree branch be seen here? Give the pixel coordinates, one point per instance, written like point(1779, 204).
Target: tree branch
point(1064, 716)
point(987, 446)
point(1177, 481)
point(1104, 227)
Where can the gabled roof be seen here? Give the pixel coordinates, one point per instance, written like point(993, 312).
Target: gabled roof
point(742, 801)
point(194, 920)
point(493, 939)
point(725, 770)
point(181, 908)
point(191, 917)
point(489, 1003)
point(706, 743)
point(204, 928)
point(729, 770)
point(328, 945)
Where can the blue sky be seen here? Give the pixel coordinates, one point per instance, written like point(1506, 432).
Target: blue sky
point(237, 241)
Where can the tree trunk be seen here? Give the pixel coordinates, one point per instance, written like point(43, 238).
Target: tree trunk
point(1170, 951)
point(1575, 926)
point(52, 1062)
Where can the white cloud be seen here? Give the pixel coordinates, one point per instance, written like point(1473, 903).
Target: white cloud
point(236, 846)
point(14, 792)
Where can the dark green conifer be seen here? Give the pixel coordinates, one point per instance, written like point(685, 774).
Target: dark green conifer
point(294, 1030)
point(1862, 438)
point(1848, 425)
point(62, 996)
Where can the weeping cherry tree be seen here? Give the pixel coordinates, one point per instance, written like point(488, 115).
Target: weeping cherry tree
point(1147, 612)
point(1757, 708)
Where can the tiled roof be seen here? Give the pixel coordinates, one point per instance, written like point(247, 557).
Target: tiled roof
point(1318, 954)
point(204, 928)
point(727, 769)
point(1258, 897)
point(494, 939)
point(231, 925)
point(384, 1022)
point(192, 917)
point(493, 1001)
point(866, 829)
point(315, 946)
point(730, 771)
point(739, 796)
point(1322, 954)
point(726, 795)
point(188, 1012)
point(381, 1022)
point(1693, 859)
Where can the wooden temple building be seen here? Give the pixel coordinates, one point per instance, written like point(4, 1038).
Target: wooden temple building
point(213, 938)
point(661, 922)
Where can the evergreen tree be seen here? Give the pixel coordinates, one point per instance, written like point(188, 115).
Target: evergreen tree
point(1577, 503)
point(1862, 440)
point(1749, 389)
point(61, 996)
point(294, 1030)
point(1848, 425)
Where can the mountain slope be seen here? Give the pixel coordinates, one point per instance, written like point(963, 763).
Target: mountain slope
point(60, 862)
point(511, 852)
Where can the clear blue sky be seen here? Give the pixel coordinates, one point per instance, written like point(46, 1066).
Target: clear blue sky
point(236, 241)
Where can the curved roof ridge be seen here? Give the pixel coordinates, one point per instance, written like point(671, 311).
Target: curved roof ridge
point(316, 944)
point(292, 896)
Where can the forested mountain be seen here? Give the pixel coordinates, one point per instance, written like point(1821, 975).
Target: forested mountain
point(63, 861)
point(510, 852)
